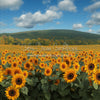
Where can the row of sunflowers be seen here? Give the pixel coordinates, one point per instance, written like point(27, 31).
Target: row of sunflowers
point(55, 73)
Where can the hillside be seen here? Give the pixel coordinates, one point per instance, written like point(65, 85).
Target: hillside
point(54, 34)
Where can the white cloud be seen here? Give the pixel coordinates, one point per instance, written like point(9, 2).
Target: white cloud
point(90, 30)
point(46, 1)
point(77, 26)
point(2, 24)
point(93, 0)
point(93, 7)
point(67, 5)
point(30, 20)
point(95, 19)
point(10, 4)
point(9, 30)
point(54, 8)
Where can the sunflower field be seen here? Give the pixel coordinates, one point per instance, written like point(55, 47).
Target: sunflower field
point(50, 72)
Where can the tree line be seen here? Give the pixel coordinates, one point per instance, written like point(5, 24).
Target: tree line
point(15, 41)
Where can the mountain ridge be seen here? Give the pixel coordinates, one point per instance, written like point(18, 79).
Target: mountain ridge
point(54, 34)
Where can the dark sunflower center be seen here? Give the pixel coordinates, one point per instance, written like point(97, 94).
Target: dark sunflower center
point(12, 92)
point(9, 72)
point(99, 60)
point(18, 81)
point(30, 60)
point(24, 74)
point(59, 60)
point(63, 66)
point(67, 62)
point(35, 61)
point(83, 68)
point(76, 66)
point(24, 59)
point(48, 71)
point(16, 72)
point(70, 76)
point(27, 65)
point(91, 66)
point(98, 76)
point(14, 64)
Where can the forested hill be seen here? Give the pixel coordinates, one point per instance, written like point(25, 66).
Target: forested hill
point(54, 34)
point(49, 37)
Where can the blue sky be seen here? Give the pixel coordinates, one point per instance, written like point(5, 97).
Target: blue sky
point(26, 15)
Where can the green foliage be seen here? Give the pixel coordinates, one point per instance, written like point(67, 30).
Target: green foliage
point(50, 37)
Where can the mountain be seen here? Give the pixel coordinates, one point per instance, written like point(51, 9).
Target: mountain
point(55, 34)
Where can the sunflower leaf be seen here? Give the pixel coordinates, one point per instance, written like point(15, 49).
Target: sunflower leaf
point(95, 85)
point(29, 81)
point(24, 90)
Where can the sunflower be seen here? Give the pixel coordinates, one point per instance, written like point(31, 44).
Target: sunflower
point(14, 52)
point(25, 73)
point(9, 61)
point(90, 52)
point(14, 58)
point(98, 54)
point(50, 65)
point(42, 59)
point(98, 60)
point(20, 62)
point(83, 69)
point(68, 61)
point(90, 67)
point(78, 57)
point(65, 56)
point(4, 62)
point(8, 71)
point(96, 77)
point(18, 80)
point(42, 65)
point(59, 60)
point(16, 70)
point(86, 60)
point(48, 71)
point(57, 82)
point(63, 66)
point(27, 66)
point(6, 51)
point(76, 66)
point(8, 57)
point(2, 58)
point(24, 59)
point(31, 60)
point(3, 53)
point(1, 76)
point(89, 58)
point(53, 60)
point(1, 68)
point(20, 56)
point(12, 93)
point(70, 75)
point(71, 58)
point(35, 61)
point(14, 64)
